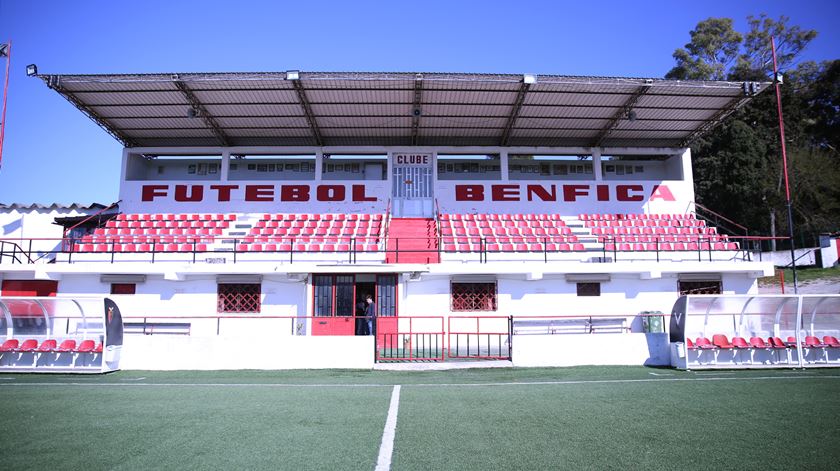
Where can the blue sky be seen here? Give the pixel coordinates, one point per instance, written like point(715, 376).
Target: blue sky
point(53, 153)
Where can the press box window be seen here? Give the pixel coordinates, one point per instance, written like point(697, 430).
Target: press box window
point(123, 288)
point(472, 297)
point(238, 298)
point(589, 289)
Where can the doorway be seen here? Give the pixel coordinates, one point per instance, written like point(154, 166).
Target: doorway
point(339, 307)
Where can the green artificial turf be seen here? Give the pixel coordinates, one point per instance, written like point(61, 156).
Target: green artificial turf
point(508, 418)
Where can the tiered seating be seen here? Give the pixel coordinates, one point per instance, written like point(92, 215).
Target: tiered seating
point(655, 232)
point(506, 233)
point(156, 232)
point(314, 233)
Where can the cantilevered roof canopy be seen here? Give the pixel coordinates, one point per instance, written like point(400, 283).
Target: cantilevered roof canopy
point(402, 109)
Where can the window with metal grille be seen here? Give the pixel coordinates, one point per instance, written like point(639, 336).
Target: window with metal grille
point(386, 295)
point(123, 288)
point(238, 297)
point(474, 297)
point(700, 287)
point(589, 289)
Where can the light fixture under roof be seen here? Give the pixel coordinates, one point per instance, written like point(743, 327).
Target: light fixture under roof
point(292, 75)
point(31, 70)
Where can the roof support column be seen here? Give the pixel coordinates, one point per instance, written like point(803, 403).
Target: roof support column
point(597, 169)
point(225, 170)
point(503, 157)
point(319, 166)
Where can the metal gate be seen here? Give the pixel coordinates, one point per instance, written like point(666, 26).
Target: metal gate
point(431, 338)
point(412, 192)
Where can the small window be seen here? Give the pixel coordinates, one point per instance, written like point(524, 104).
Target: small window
point(589, 289)
point(238, 298)
point(471, 297)
point(123, 288)
point(699, 287)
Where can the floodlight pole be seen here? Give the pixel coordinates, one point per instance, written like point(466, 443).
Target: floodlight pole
point(784, 163)
point(5, 95)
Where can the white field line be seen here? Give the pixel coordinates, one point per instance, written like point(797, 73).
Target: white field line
point(386, 448)
point(425, 385)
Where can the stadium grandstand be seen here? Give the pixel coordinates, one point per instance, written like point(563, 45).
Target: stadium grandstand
point(541, 220)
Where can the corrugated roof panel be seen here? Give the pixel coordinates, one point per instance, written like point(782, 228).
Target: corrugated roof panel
point(642, 125)
point(103, 86)
point(284, 132)
point(461, 121)
point(178, 142)
point(240, 84)
point(246, 96)
point(467, 132)
point(467, 110)
point(676, 114)
point(683, 102)
point(462, 85)
point(521, 133)
point(364, 121)
point(469, 97)
point(647, 134)
point(525, 122)
point(160, 133)
point(574, 99)
point(362, 110)
point(171, 123)
point(262, 122)
point(359, 96)
point(406, 84)
point(245, 110)
point(173, 111)
point(333, 132)
point(458, 141)
point(551, 141)
point(131, 98)
point(565, 112)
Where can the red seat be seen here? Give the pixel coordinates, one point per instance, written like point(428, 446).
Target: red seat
point(740, 343)
point(704, 343)
point(67, 346)
point(831, 341)
point(690, 344)
point(776, 342)
point(47, 346)
point(9, 345)
point(720, 341)
point(811, 341)
point(758, 342)
point(28, 345)
point(86, 346)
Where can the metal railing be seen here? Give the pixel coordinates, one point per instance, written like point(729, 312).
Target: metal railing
point(288, 249)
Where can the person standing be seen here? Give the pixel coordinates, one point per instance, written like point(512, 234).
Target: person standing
point(370, 313)
point(361, 325)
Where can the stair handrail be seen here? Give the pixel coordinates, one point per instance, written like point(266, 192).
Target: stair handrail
point(718, 215)
point(64, 236)
point(387, 223)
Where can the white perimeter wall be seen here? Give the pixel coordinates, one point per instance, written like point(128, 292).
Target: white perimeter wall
point(20, 225)
point(591, 349)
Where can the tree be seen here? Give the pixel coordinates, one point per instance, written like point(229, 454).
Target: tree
point(714, 46)
point(737, 166)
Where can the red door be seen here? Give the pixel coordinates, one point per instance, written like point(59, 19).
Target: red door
point(29, 288)
point(386, 307)
point(334, 305)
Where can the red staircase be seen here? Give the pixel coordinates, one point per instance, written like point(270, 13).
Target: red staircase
point(414, 234)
